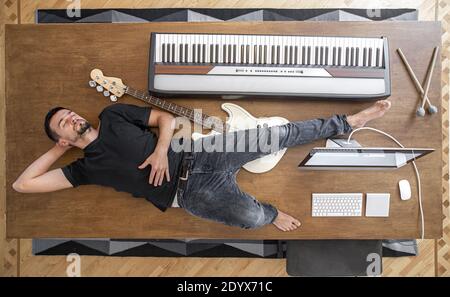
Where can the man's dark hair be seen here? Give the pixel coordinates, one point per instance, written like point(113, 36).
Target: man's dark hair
point(50, 133)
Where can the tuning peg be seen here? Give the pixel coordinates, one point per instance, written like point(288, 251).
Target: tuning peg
point(99, 89)
point(92, 84)
point(106, 93)
point(113, 98)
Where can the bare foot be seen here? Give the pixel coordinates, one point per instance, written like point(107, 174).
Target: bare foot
point(375, 111)
point(285, 222)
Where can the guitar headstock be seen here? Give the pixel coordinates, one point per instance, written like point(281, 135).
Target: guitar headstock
point(111, 87)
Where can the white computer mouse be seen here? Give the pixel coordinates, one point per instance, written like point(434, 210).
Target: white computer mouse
point(405, 189)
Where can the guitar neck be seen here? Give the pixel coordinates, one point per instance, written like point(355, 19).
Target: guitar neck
point(200, 118)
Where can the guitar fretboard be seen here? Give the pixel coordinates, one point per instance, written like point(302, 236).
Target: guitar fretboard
point(196, 117)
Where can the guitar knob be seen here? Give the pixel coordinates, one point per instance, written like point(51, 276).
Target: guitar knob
point(92, 84)
point(106, 93)
point(99, 89)
point(113, 98)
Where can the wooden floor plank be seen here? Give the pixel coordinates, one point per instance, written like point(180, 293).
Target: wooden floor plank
point(8, 247)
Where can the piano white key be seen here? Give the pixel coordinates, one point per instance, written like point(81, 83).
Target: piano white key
point(220, 42)
point(353, 52)
point(232, 49)
point(256, 50)
point(213, 53)
point(192, 49)
point(166, 48)
point(374, 53)
point(360, 51)
point(300, 50)
point(344, 52)
point(238, 43)
point(329, 53)
point(177, 48)
point(270, 43)
point(206, 42)
point(316, 51)
point(251, 50)
point(380, 47)
point(172, 42)
point(185, 39)
point(282, 50)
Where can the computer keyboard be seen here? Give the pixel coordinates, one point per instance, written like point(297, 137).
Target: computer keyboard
point(337, 204)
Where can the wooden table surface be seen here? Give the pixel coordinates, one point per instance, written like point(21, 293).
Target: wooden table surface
point(49, 65)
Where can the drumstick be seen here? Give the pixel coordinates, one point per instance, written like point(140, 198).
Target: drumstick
point(433, 108)
point(430, 74)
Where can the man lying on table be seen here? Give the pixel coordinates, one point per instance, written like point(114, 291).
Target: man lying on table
point(118, 153)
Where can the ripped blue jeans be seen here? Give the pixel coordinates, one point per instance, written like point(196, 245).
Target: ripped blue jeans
point(212, 192)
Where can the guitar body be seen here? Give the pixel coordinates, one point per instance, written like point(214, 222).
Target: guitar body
point(240, 119)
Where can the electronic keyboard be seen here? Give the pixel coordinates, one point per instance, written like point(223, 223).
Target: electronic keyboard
point(269, 65)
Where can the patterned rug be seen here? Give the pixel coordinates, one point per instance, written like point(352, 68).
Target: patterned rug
point(202, 247)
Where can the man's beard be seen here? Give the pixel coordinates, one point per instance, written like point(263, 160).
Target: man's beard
point(83, 128)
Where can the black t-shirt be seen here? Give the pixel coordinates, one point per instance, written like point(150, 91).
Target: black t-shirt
point(112, 159)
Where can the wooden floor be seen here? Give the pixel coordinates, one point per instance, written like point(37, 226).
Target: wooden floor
point(15, 255)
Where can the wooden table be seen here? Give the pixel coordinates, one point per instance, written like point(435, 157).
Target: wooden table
point(49, 65)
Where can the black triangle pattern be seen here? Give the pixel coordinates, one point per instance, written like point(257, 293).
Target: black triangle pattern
point(181, 14)
point(182, 249)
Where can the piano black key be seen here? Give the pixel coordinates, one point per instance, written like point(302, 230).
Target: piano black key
point(203, 53)
point(186, 52)
point(347, 56)
point(247, 54)
point(229, 53)
point(377, 57)
point(326, 55)
point(382, 61)
point(173, 52)
point(321, 55)
point(296, 55)
point(163, 58)
point(216, 56)
point(303, 55)
point(357, 57)
point(181, 53)
point(369, 62)
point(260, 58)
point(286, 54)
point(199, 54)
point(194, 55)
point(255, 55)
point(339, 56)
point(242, 54)
point(273, 55)
point(352, 56)
point(234, 53)
point(364, 57)
point(308, 61)
point(169, 54)
point(316, 58)
point(211, 53)
point(278, 54)
point(224, 54)
point(265, 55)
point(322, 58)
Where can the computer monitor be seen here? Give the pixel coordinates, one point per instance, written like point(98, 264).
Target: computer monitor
point(360, 158)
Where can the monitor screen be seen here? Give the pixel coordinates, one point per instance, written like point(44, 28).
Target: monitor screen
point(361, 158)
